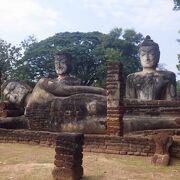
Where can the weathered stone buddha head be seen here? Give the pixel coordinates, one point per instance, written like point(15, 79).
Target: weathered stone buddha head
point(149, 53)
point(62, 63)
point(15, 91)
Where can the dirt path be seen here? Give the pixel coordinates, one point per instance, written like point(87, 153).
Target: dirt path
point(25, 162)
point(114, 167)
point(23, 171)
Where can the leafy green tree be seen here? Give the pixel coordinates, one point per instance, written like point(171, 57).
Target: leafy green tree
point(178, 88)
point(8, 56)
point(38, 59)
point(21, 69)
point(90, 54)
point(176, 5)
point(176, 8)
point(121, 46)
point(178, 65)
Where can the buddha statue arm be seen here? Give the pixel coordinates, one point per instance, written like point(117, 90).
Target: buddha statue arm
point(57, 89)
point(170, 92)
point(71, 90)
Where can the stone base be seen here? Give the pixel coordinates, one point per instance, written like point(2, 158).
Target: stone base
point(69, 156)
point(67, 174)
point(147, 122)
point(160, 159)
point(19, 122)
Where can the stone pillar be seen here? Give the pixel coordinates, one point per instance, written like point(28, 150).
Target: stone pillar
point(115, 99)
point(68, 158)
point(161, 157)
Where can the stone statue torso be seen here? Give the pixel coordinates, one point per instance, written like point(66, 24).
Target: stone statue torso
point(159, 85)
point(69, 81)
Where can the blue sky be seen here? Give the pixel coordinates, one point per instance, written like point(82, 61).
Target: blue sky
point(44, 18)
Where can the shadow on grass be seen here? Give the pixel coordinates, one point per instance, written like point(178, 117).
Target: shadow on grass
point(175, 162)
point(92, 177)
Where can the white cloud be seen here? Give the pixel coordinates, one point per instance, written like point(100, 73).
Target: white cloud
point(153, 17)
point(21, 16)
point(145, 13)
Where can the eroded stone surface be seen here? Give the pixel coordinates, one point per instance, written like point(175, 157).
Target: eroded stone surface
point(16, 92)
point(69, 157)
point(54, 102)
point(150, 84)
point(163, 142)
point(157, 85)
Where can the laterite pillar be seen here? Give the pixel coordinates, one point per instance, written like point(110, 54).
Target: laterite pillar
point(69, 157)
point(115, 99)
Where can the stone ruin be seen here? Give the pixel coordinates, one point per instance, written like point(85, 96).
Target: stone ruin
point(62, 105)
point(68, 158)
point(163, 142)
point(11, 116)
point(111, 115)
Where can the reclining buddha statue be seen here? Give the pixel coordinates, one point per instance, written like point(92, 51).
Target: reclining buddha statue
point(68, 101)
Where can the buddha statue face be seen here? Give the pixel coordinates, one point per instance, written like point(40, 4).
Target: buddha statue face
point(62, 64)
point(148, 57)
point(149, 53)
point(15, 92)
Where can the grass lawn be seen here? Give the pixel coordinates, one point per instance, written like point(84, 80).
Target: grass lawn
point(30, 162)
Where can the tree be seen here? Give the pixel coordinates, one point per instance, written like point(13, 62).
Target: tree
point(38, 59)
point(176, 5)
point(178, 65)
point(90, 54)
point(121, 46)
point(8, 56)
point(21, 70)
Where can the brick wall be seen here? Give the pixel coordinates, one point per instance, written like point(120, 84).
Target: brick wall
point(152, 107)
point(120, 145)
point(136, 145)
point(38, 117)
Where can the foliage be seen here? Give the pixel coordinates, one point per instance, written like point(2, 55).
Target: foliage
point(120, 46)
point(176, 5)
point(178, 88)
point(90, 54)
point(38, 59)
point(10, 57)
point(178, 65)
point(21, 70)
point(161, 67)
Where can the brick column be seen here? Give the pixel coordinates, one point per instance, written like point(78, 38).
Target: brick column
point(115, 99)
point(163, 141)
point(68, 158)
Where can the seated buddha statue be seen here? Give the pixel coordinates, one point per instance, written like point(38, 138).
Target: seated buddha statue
point(150, 84)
